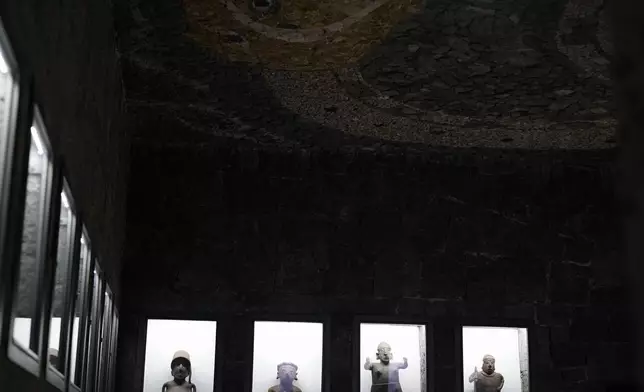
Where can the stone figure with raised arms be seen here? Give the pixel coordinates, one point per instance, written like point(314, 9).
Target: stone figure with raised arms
point(487, 380)
point(181, 370)
point(384, 374)
point(286, 373)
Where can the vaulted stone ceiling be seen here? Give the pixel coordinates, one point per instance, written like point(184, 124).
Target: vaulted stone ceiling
point(508, 74)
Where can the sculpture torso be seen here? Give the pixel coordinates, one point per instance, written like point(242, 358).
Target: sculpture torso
point(278, 388)
point(488, 382)
point(385, 373)
point(385, 377)
point(172, 386)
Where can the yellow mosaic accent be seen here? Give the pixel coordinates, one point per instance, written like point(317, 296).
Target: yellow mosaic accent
point(214, 26)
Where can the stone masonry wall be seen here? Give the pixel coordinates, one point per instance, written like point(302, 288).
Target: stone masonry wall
point(229, 232)
point(70, 49)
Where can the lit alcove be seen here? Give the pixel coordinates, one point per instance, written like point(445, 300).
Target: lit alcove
point(8, 109)
point(27, 290)
point(287, 352)
point(504, 348)
point(79, 321)
point(167, 339)
point(8, 91)
point(386, 346)
point(59, 292)
point(24, 347)
point(54, 337)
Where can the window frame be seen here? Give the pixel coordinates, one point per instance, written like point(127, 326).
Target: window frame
point(531, 331)
point(105, 340)
point(26, 357)
point(97, 302)
point(10, 175)
point(114, 349)
point(6, 156)
point(87, 331)
point(85, 308)
point(430, 359)
point(53, 375)
point(22, 113)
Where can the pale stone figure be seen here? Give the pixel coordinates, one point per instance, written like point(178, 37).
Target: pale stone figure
point(384, 375)
point(52, 353)
point(487, 380)
point(181, 370)
point(286, 373)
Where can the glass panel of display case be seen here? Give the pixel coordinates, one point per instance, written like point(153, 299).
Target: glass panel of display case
point(28, 294)
point(56, 377)
point(179, 351)
point(104, 345)
point(61, 282)
point(8, 109)
point(80, 303)
point(287, 354)
point(113, 350)
point(91, 360)
point(393, 358)
point(494, 358)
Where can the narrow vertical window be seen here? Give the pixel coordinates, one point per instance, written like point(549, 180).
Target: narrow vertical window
point(8, 108)
point(104, 342)
point(91, 360)
point(113, 350)
point(26, 301)
point(7, 89)
point(62, 275)
point(80, 303)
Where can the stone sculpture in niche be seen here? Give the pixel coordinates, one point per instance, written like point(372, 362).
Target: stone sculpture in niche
point(52, 354)
point(487, 380)
point(181, 370)
point(286, 373)
point(384, 375)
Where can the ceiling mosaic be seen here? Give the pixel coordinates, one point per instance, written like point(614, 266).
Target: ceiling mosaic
point(295, 34)
point(465, 73)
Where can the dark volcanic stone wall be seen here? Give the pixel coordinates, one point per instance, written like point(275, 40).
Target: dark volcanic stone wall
point(235, 233)
point(70, 50)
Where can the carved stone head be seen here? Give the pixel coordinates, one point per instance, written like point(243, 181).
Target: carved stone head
point(489, 364)
point(287, 372)
point(384, 353)
point(180, 367)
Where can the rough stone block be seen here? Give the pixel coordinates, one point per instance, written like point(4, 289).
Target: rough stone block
point(445, 379)
point(569, 355)
point(445, 345)
point(609, 295)
point(569, 284)
point(622, 326)
point(573, 375)
point(589, 325)
point(443, 276)
point(560, 334)
point(554, 314)
point(519, 312)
